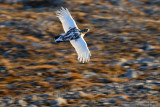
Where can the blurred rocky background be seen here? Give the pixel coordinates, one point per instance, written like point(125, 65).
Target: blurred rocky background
point(124, 40)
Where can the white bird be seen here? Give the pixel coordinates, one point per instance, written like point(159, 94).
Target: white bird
point(73, 34)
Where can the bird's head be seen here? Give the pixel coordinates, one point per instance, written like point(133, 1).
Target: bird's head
point(84, 31)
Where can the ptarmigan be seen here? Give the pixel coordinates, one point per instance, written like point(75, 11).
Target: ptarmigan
point(73, 34)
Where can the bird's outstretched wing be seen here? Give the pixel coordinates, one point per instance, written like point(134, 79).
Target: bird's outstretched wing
point(66, 19)
point(79, 44)
point(81, 49)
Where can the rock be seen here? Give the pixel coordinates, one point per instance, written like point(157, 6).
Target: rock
point(54, 63)
point(36, 103)
point(147, 47)
point(139, 85)
point(153, 2)
point(22, 102)
point(149, 81)
point(104, 80)
point(28, 98)
point(44, 84)
point(45, 95)
point(49, 79)
point(123, 39)
point(86, 95)
point(8, 101)
point(115, 2)
point(34, 98)
point(11, 86)
point(31, 106)
point(94, 48)
point(61, 101)
point(143, 68)
point(59, 86)
point(147, 59)
point(103, 100)
point(53, 103)
point(89, 75)
point(2, 69)
point(72, 95)
point(131, 73)
point(75, 75)
point(112, 101)
point(149, 12)
point(53, 2)
point(56, 2)
point(124, 97)
point(15, 1)
point(100, 20)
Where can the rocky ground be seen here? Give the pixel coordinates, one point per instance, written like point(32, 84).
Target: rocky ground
point(124, 41)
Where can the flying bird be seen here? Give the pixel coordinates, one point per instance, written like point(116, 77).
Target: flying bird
point(73, 34)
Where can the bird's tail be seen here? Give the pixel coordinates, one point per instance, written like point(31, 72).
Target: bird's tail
point(57, 39)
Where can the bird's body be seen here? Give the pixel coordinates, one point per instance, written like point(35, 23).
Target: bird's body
point(73, 34)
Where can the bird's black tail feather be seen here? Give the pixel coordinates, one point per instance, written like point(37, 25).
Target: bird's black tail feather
point(56, 38)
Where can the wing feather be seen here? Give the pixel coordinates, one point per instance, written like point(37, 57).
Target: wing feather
point(81, 49)
point(66, 19)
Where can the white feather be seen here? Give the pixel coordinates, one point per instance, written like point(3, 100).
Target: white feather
point(79, 44)
point(66, 19)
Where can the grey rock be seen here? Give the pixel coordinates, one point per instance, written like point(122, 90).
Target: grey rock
point(147, 59)
point(115, 2)
point(113, 100)
point(139, 85)
point(104, 80)
point(56, 2)
point(153, 1)
point(72, 95)
point(3, 69)
point(123, 39)
point(31, 106)
point(11, 86)
point(89, 75)
point(121, 98)
point(54, 63)
point(131, 73)
point(14, 1)
point(53, 102)
point(94, 48)
point(36, 103)
point(49, 79)
point(103, 100)
point(143, 68)
point(53, 2)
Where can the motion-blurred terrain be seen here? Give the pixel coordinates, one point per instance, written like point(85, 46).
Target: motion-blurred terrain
point(124, 41)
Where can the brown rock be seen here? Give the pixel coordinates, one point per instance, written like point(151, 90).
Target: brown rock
point(75, 75)
point(44, 84)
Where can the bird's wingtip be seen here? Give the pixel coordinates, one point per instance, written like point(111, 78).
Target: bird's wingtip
point(62, 12)
point(84, 57)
